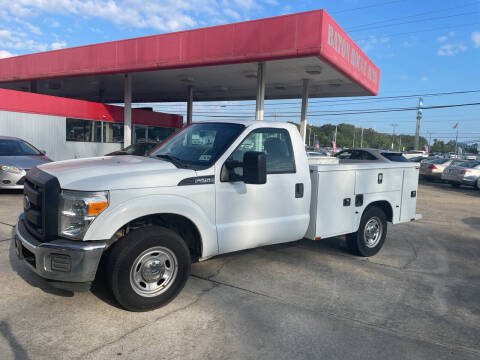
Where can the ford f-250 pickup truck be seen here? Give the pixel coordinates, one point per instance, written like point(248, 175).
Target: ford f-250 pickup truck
point(212, 188)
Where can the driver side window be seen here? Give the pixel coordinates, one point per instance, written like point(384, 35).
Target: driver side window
point(276, 145)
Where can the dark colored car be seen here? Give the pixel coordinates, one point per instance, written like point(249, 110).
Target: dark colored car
point(140, 149)
point(16, 158)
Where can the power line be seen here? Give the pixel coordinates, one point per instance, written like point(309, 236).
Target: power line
point(423, 30)
point(321, 101)
point(412, 15)
point(416, 21)
point(367, 7)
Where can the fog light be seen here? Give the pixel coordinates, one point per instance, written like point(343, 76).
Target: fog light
point(61, 262)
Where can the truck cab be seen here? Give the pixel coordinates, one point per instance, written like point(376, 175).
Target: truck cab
point(212, 188)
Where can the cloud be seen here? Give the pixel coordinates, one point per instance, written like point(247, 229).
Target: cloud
point(165, 15)
point(5, 54)
point(444, 38)
point(476, 38)
point(58, 45)
point(451, 49)
point(368, 44)
point(424, 78)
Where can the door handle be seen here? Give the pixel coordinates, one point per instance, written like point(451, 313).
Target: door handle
point(299, 190)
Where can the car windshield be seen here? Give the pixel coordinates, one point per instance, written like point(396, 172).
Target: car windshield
point(397, 157)
point(438, 161)
point(470, 164)
point(139, 148)
point(14, 147)
point(199, 145)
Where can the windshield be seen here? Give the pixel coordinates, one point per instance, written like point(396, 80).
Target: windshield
point(14, 147)
point(470, 164)
point(396, 157)
point(139, 148)
point(199, 145)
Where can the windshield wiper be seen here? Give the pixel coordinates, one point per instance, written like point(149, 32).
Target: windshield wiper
point(173, 159)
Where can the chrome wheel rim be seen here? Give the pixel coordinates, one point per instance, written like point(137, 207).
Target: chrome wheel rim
point(153, 271)
point(372, 232)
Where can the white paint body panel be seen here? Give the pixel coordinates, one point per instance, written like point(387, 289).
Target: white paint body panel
point(331, 184)
point(47, 132)
point(232, 216)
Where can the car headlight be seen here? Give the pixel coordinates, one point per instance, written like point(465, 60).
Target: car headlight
point(10, 169)
point(77, 210)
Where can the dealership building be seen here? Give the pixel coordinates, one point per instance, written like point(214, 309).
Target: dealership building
point(300, 55)
point(69, 129)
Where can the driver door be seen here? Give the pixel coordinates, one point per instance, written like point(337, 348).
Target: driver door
point(251, 215)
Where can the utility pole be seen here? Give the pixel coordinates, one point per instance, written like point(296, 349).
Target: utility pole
point(419, 117)
point(361, 139)
point(393, 132)
point(353, 144)
point(400, 144)
point(309, 135)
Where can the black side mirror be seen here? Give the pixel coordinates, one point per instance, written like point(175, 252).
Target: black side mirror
point(254, 167)
point(43, 152)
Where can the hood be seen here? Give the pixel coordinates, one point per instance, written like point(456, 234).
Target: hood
point(25, 161)
point(115, 173)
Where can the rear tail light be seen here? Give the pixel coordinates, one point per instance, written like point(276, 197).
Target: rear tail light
point(432, 167)
point(463, 172)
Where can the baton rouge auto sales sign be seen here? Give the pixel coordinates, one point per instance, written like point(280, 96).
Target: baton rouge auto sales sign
point(343, 53)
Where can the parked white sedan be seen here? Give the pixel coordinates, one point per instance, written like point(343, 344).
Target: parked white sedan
point(467, 173)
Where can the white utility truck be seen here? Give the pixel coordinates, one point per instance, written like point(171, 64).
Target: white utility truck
point(212, 188)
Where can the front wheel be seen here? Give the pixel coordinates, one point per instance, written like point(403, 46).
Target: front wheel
point(370, 237)
point(147, 268)
point(477, 184)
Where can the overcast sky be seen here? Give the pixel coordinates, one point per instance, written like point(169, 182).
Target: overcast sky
point(420, 47)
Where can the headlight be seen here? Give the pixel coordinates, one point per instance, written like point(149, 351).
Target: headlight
point(10, 169)
point(77, 210)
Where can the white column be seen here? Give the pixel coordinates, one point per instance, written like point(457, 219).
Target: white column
point(260, 90)
point(303, 118)
point(127, 110)
point(189, 104)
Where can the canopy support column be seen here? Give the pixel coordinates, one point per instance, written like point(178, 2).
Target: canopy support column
point(127, 110)
point(260, 90)
point(303, 118)
point(189, 104)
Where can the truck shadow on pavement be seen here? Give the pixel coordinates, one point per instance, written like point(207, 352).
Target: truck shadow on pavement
point(30, 277)
point(18, 351)
point(473, 222)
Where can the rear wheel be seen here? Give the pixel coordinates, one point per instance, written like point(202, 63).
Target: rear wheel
point(147, 268)
point(370, 237)
point(455, 185)
point(477, 184)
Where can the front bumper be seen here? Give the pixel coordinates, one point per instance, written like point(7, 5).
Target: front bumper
point(11, 181)
point(59, 260)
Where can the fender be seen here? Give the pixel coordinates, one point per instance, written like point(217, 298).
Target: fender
point(393, 198)
point(113, 218)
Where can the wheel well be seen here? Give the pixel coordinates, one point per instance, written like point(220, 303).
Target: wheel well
point(385, 206)
point(178, 223)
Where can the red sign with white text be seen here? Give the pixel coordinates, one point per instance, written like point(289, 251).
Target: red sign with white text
point(346, 56)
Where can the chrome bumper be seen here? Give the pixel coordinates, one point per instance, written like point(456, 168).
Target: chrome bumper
point(58, 260)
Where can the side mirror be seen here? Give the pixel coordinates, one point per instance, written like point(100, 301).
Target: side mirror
point(43, 152)
point(254, 167)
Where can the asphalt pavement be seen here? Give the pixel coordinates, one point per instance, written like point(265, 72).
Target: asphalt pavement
point(419, 298)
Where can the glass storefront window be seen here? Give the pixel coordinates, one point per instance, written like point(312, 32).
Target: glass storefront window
point(158, 134)
point(112, 132)
point(83, 130)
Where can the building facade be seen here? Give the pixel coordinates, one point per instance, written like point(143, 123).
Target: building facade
point(70, 129)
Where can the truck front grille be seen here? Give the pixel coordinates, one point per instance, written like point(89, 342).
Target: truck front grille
point(41, 193)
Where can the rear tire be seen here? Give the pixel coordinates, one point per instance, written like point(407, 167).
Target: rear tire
point(147, 268)
point(371, 234)
point(477, 184)
point(455, 185)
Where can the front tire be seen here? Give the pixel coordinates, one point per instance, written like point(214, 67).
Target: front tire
point(371, 234)
point(147, 268)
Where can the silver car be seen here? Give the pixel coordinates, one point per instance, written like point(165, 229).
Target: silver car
point(16, 158)
point(366, 154)
point(466, 173)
